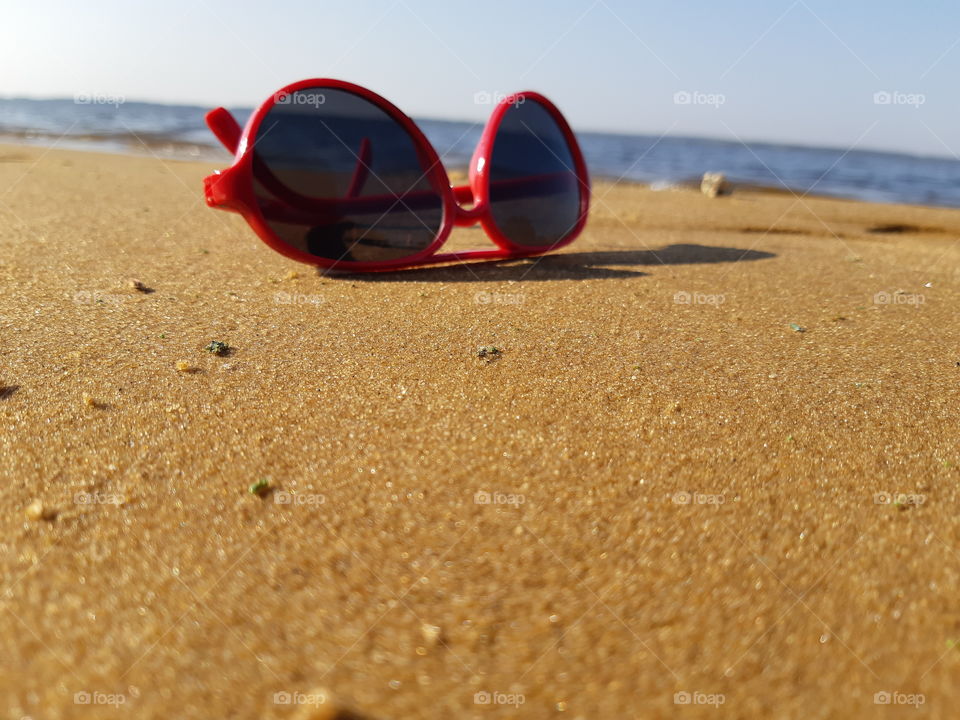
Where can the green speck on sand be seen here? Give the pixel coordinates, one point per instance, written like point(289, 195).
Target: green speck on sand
point(259, 487)
point(797, 328)
point(490, 352)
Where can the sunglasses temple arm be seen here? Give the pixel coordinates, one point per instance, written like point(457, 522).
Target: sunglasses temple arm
point(225, 127)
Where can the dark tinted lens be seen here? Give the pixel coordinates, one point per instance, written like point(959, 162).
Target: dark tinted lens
point(534, 191)
point(337, 177)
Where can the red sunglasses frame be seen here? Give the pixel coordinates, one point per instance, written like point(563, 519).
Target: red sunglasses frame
point(232, 189)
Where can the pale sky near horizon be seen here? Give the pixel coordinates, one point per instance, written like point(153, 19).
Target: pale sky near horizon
point(797, 71)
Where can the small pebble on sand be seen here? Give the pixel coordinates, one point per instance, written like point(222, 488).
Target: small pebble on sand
point(260, 487)
point(89, 400)
point(432, 634)
point(183, 366)
point(138, 286)
point(714, 184)
point(489, 352)
point(217, 348)
point(37, 511)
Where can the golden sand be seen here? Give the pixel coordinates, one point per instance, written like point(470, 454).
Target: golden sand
point(714, 459)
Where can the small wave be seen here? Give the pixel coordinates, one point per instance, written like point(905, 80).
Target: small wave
point(665, 186)
point(127, 143)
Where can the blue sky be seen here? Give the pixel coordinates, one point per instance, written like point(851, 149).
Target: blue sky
point(800, 71)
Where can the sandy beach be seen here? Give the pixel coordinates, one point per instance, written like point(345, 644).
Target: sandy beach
point(710, 471)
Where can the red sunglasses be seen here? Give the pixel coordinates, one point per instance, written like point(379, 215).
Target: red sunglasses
point(331, 174)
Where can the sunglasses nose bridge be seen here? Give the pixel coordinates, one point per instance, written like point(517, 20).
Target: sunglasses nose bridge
point(467, 213)
point(466, 217)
